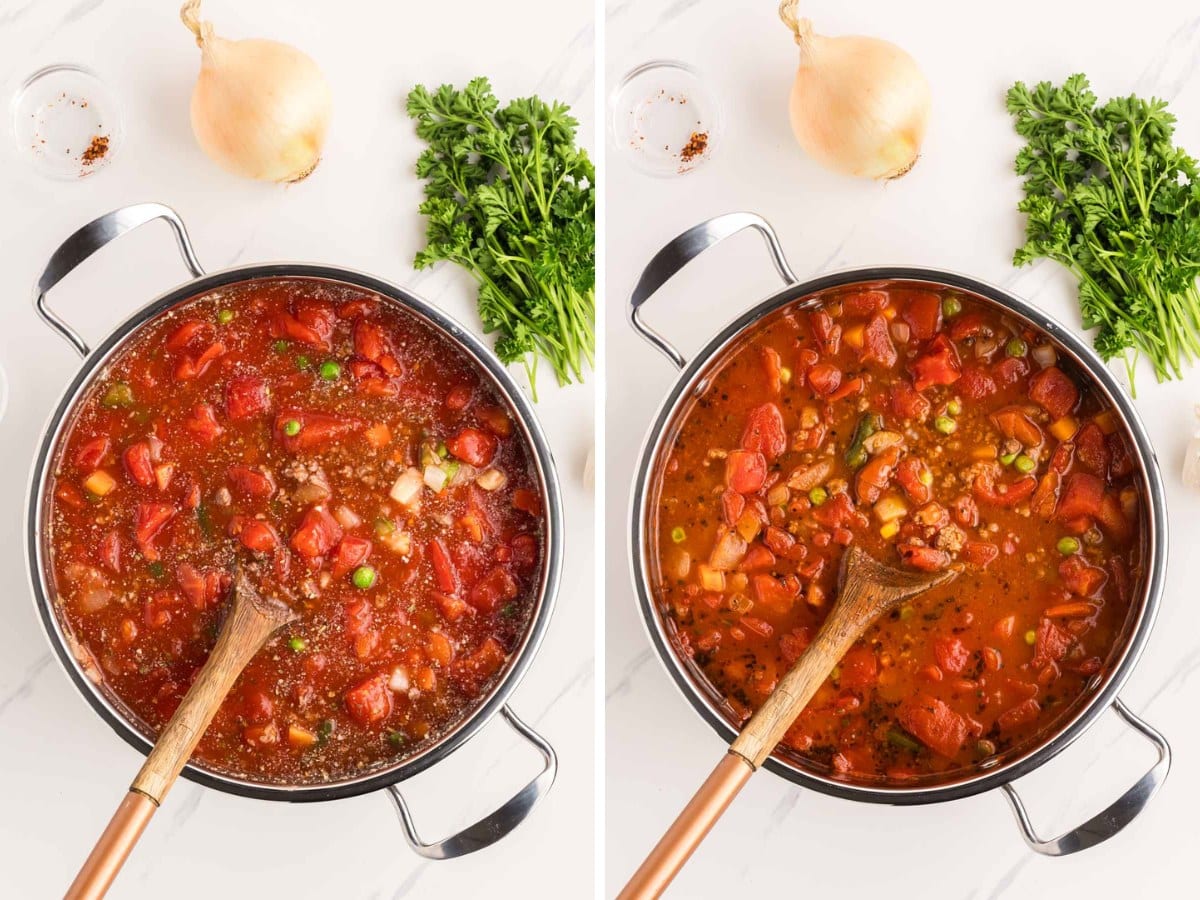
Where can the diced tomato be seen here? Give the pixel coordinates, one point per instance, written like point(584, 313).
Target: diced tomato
point(732, 505)
point(201, 588)
point(251, 482)
point(458, 397)
point(496, 587)
point(826, 333)
point(473, 671)
point(110, 552)
point(1004, 495)
point(824, 378)
point(1051, 644)
point(1013, 422)
point(1009, 371)
point(907, 402)
point(757, 557)
point(148, 522)
point(951, 654)
point(969, 325)
point(851, 387)
point(285, 325)
point(495, 419)
point(779, 541)
point(1080, 577)
point(966, 512)
point(370, 702)
point(863, 303)
point(860, 668)
point(874, 477)
point(1082, 495)
point(527, 501)
point(877, 343)
point(526, 551)
point(1024, 713)
point(354, 309)
point(975, 384)
point(317, 315)
point(360, 616)
point(934, 724)
point(189, 367)
point(1045, 499)
point(202, 424)
point(839, 512)
point(1112, 519)
point(92, 453)
point(913, 474)
point(775, 594)
point(745, 471)
point(157, 610)
point(1091, 449)
point(187, 332)
point(1054, 391)
point(923, 313)
point(453, 608)
point(246, 396)
point(773, 369)
point(793, 644)
point(979, 553)
point(764, 431)
point(372, 343)
point(937, 365)
point(473, 446)
point(443, 567)
point(352, 552)
point(137, 463)
point(318, 533)
point(927, 559)
point(317, 430)
point(258, 536)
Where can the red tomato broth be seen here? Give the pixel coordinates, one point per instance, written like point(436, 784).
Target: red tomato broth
point(746, 561)
point(370, 675)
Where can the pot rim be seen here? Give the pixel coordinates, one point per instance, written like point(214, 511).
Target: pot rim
point(440, 322)
point(1103, 380)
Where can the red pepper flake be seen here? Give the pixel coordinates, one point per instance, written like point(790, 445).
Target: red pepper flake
point(696, 146)
point(96, 150)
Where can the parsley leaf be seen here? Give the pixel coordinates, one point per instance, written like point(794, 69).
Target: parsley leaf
point(1110, 197)
point(510, 198)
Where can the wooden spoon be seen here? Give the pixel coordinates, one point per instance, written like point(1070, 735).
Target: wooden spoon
point(869, 589)
point(251, 620)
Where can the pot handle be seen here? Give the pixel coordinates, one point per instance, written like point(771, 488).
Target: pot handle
point(90, 238)
point(498, 823)
point(1120, 813)
point(681, 251)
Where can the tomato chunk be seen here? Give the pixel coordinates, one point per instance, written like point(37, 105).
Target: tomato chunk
point(1054, 391)
point(473, 446)
point(923, 313)
point(496, 587)
point(92, 453)
point(370, 702)
point(246, 396)
point(877, 343)
point(934, 724)
point(443, 567)
point(939, 364)
point(1080, 577)
point(203, 425)
point(318, 533)
point(951, 654)
point(251, 482)
point(825, 378)
point(745, 471)
point(764, 431)
point(137, 463)
point(1082, 495)
point(352, 552)
point(149, 521)
point(300, 430)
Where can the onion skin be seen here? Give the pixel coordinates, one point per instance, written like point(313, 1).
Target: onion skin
point(260, 109)
point(859, 105)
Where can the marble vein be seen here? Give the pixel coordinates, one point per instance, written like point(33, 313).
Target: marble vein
point(626, 680)
point(25, 683)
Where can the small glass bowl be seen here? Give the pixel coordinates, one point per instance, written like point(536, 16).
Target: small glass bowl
point(665, 119)
point(66, 122)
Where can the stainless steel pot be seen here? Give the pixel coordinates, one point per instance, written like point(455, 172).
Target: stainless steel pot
point(691, 681)
point(96, 235)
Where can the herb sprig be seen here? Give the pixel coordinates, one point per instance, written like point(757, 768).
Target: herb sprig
point(1109, 196)
point(510, 198)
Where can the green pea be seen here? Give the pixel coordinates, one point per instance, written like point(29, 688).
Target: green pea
point(280, 346)
point(302, 362)
point(1031, 637)
point(817, 496)
point(1008, 458)
point(945, 425)
point(899, 739)
point(291, 427)
point(1024, 464)
point(678, 535)
point(363, 577)
point(397, 738)
point(985, 747)
point(1016, 348)
point(225, 316)
point(330, 370)
point(1067, 546)
point(297, 643)
point(384, 526)
point(951, 306)
point(119, 394)
point(954, 408)
point(325, 730)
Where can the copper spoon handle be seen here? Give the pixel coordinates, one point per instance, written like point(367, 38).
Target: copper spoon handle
point(245, 631)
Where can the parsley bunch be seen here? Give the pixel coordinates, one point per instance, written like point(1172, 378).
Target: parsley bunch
point(510, 198)
point(1109, 196)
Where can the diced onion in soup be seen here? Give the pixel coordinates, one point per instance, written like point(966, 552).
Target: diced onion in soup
point(95, 599)
point(1044, 355)
point(728, 552)
point(312, 491)
point(399, 680)
point(397, 541)
point(346, 518)
point(679, 564)
point(901, 332)
point(435, 478)
point(407, 488)
point(491, 479)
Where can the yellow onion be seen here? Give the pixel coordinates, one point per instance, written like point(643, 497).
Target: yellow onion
point(859, 105)
point(260, 109)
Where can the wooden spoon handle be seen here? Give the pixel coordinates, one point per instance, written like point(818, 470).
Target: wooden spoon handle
point(241, 637)
point(771, 721)
point(689, 829)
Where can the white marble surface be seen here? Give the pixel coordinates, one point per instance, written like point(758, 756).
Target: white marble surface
point(62, 770)
point(956, 211)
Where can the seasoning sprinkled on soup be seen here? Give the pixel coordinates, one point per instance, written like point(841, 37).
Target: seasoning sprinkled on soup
point(933, 431)
point(345, 448)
